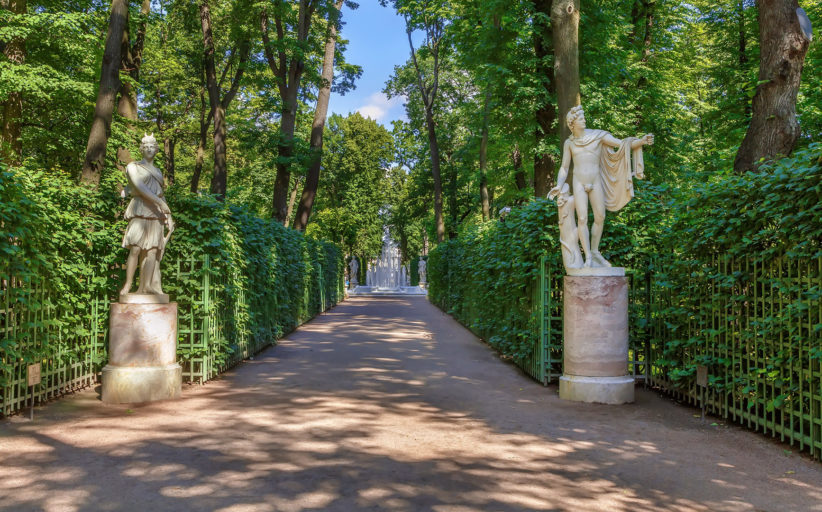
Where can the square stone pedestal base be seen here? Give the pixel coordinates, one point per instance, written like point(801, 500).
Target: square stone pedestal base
point(138, 384)
point(142, 354)
point(600, 390)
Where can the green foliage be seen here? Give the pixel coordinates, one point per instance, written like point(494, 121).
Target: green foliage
point(353, 185)
point(485, 277)
point(63, 256)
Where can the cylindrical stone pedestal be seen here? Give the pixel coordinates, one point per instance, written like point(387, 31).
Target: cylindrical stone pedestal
point(142, 363)
point(595, 345)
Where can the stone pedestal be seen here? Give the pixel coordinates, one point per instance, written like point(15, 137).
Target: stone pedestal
point(595, 332)
point(142, 353)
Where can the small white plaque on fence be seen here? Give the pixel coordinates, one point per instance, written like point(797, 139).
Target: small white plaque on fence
point(33, 374)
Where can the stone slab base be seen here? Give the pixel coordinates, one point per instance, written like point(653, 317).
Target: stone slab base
point(139, 384)
point(398, 291)
point(599, 390)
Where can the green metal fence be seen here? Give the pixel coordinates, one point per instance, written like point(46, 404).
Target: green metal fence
point(756, 327)
point(30, 333)
point(218, 327)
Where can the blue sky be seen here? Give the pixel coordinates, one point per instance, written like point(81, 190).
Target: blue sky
point(377, 42)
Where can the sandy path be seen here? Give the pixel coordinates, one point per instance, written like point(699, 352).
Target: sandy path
point(388, 404)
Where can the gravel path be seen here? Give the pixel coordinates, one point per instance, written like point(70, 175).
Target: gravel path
point(389, 404)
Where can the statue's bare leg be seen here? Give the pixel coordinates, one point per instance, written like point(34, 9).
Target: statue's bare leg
point(131, 266)
point(156, 280)
point(581, 205)
point(147, 271)
point(598, 208)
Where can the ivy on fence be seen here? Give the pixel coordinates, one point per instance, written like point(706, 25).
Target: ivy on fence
point(241, 282)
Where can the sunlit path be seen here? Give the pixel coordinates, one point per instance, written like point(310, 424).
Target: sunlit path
point(388, 404)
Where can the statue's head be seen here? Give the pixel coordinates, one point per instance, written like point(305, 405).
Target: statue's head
point(575, 115)
point(149, 145)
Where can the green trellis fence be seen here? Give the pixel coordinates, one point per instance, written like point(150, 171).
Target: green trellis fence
point(755, 326)
point(218, 326)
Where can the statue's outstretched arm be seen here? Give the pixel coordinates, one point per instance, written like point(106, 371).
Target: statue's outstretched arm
point(611, 141)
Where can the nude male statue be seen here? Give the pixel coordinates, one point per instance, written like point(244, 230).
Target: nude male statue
point(602, 177)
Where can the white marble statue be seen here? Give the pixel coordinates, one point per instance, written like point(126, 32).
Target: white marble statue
point(568, 231)
point(353, 267)
point(602, 177)
point(147, 214)
point(421, 267)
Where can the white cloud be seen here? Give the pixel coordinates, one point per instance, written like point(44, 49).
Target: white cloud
point(377, 106)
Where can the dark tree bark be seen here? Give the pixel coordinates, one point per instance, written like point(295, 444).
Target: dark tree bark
point(743, 52)
point(292, 200)
point(428, 92)
point(483, 163)
point(106, 96)
point(648, 10)
point(453, 207)
point(546, 114)
point(565, 33)
point(312, 179)
point(168, 147)
point(288, 75)
point(219, 178)
point(774, 129)
point(131, 60)
point(11, 145)
point(519, 174)
point(205, 119)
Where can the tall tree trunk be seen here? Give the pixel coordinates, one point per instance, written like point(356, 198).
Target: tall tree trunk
point(168, 147)
point(11, 145)
point(312, 179)
point(289, 75)
point(292, 200)
point(743, 53)
point(546, 114)
point(106, 95)
point(218, 179)
point(774, 129)
point(285, 150)
point(648, 7)
point(519, 174)
point(434, 147)
point(483, 163)
point(452, 196)
point(131, 59)
point(565, 33)
point(201, 144)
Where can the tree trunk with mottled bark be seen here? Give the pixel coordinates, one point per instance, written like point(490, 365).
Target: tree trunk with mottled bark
point(565, 34)
point(219, 178)
point(11, 144)
point(483, 163)
point(106, 95)
point(312, 179)
point(546, 114)
point(131, 58)
point(201, 144)
point(288, 73)
point(774, 129)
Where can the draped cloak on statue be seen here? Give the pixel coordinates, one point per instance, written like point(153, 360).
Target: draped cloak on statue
point(615, 168)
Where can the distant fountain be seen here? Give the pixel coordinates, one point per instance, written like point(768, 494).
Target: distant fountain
point(387, 275)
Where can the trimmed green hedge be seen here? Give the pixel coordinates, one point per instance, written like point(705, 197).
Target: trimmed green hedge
point(485, 277)
point(63, 262)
